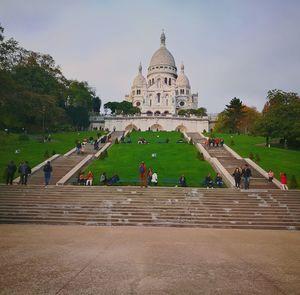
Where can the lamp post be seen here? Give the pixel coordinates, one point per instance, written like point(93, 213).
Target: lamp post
point(44, 110)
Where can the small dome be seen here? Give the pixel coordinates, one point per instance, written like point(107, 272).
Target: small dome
point(182, 80)
point(139, 80)
point(162, 56)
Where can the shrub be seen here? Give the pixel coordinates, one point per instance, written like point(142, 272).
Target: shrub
point(23, 137)
point(191, 141)
point(103, 155)
point(251, 156)
point(232, 142)
point(181, 135)
point(53, 152)
point(117, 141)
point(257, 158)
point(200, 156)
point(46, 154)
point(293, 182)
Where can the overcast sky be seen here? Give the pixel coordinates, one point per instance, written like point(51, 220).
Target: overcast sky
point(229, 47)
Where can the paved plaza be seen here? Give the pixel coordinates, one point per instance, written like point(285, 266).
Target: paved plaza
point(49, 259)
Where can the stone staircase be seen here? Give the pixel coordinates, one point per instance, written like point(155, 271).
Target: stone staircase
point(229, 162)
point(63, 164)
point(155, 206)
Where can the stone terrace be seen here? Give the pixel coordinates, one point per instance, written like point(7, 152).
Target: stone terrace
point(131, 206)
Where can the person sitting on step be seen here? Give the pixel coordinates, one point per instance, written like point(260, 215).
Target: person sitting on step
point(103, 179)
point(182, 181)
point(81, 179)
point(209, 182)
point(89, 178)
point(219, 180)
point(154, 179)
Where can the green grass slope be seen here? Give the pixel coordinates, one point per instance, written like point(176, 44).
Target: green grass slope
point(276, 159)
point(172, 160)
point(34, 149)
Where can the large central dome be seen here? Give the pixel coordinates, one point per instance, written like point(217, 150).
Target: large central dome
point(162, 56)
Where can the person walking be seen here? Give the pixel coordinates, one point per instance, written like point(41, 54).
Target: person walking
point(24, 170)
point(237, 177)
point(247, 173)
point(10, 172)
point(143, 178)
point(283, 181)
point(47, 173)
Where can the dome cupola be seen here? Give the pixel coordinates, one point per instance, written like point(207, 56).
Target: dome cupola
point(139, 81)
point(162, 56)
point(182, 80)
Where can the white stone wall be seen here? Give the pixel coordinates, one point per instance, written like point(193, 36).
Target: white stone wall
point(154, 123)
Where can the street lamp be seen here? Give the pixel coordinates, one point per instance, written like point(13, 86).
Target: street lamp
point(44, 110)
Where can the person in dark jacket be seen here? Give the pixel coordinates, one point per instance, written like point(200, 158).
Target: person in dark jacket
point(10, 172)
point(219, 180)
point(24, 170)
point(47, 172)
point(247, 173)
point(182, 181)
point(209, 182)
point(237, 177)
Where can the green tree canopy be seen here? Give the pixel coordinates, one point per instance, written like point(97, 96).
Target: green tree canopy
point(34, 91)
point(124, 108)
point(200, 112)
point(281, 116)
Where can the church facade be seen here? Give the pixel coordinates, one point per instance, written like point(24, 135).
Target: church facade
point(163, 91)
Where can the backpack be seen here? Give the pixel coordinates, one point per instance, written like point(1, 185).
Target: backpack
point(142, 169)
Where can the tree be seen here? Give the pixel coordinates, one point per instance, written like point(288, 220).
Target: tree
point(280, 117)
point(124, 108)
point(200, 112)
point(96, 105)
point(79, 117)
point(233, 115)
point(33, 91)
point(249, 119)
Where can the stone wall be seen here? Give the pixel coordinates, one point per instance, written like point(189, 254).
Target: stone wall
point(154, 123)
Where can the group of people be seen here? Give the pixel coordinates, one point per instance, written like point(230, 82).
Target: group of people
point(24, 171)
point(283, 179)
point(214, 142)
point(104, 180)
point(244, 173)
point(209, 183)
point(147, 177)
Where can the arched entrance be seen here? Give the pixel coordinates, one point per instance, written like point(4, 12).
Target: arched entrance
point(156, 127)
point(181, 128)
point(156, 113)
point(131, 127)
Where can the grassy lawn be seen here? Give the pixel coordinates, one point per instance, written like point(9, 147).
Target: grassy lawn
point(276, 159)
point(172, 160)
point(34, 150)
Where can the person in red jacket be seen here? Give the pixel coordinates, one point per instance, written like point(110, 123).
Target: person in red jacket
point(283, 181)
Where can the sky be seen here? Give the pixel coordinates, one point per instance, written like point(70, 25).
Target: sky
point(230, 48)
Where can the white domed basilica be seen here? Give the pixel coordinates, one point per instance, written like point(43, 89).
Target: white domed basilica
point(163, 92)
